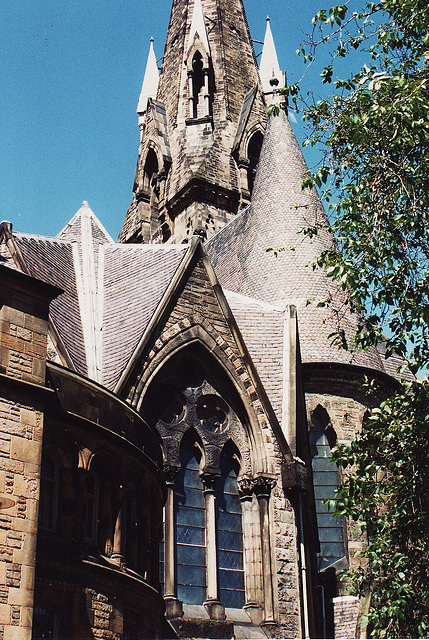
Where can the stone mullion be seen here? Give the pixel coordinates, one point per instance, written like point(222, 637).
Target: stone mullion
point(214, 607)
point(174, 608)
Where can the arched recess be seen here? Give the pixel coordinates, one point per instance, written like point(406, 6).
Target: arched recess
point(200, 81)
point(164, 378)
point(151, 192)
point(212, 436)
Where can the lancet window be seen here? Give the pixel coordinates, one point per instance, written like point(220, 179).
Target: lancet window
point(216, 546)
point(326, 481)
point(200, 85)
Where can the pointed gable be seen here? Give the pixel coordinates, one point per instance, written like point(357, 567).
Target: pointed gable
point(194, 305)
point(198, 28)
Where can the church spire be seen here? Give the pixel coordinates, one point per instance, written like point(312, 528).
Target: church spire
point(203, 132)
point(150, 81)
point(269, 69)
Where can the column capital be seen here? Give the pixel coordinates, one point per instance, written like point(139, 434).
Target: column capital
point(209, 480)
point(261, 486)
point(170, 472)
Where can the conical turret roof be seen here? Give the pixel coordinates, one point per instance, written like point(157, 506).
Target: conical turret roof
point(279, 210)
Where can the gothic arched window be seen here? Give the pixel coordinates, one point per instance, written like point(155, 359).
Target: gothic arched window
point(190, 526)
point(326, 481)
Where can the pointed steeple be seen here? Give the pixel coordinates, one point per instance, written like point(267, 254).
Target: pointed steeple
point(150, 81)
point(202, 135)
point(198, 27)
point(269, 68)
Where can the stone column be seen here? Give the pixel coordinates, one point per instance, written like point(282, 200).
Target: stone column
point(174, 608)
point(215, 609)
point(206, 93)
point(262, 489)
point(252, 551)
point(118, 538)
point(191, 95)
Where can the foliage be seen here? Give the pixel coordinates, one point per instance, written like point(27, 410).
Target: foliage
point(374, 134)
point(375, 173)
point(387, 494)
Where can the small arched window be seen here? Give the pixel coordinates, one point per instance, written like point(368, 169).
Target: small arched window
point(48, 493)
point(326, 481)
point(197, 83)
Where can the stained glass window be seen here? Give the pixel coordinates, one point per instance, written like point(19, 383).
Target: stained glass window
point(190, 529)
point(229, 537)
point(325, 478)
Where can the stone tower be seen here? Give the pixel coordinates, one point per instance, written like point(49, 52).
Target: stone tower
point(201, 135)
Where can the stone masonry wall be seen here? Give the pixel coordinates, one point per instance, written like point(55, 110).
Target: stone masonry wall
point(23, 335)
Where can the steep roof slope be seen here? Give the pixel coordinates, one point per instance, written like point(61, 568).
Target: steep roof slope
point(135, 278)
point(278, 211)
point(110, 291)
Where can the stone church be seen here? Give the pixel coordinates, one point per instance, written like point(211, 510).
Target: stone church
point(169, 401)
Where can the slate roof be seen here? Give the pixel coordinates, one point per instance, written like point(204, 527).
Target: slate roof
point(278, 211)
point(110, 291)
point(262, 327)
point(135, 279)
point(51, 260)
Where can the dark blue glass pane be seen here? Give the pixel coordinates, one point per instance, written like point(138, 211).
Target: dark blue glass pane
point(329, 520)
point(189, 535)
point(229, 521)
point(191, 499)
point(331, 534)
point(230, 559)
point(232, 599)
point(332, 549)
point(191, 478)
point(191, 575)
point(230, 540)
point(191, 595)
point(191, 555)
point(231, 579)
point(187, 515)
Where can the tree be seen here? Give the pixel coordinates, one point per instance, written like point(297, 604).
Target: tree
point(374, 176)
point(387, 494)
point(374, 130)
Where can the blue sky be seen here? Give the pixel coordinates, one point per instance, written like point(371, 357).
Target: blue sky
point(71, 74)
